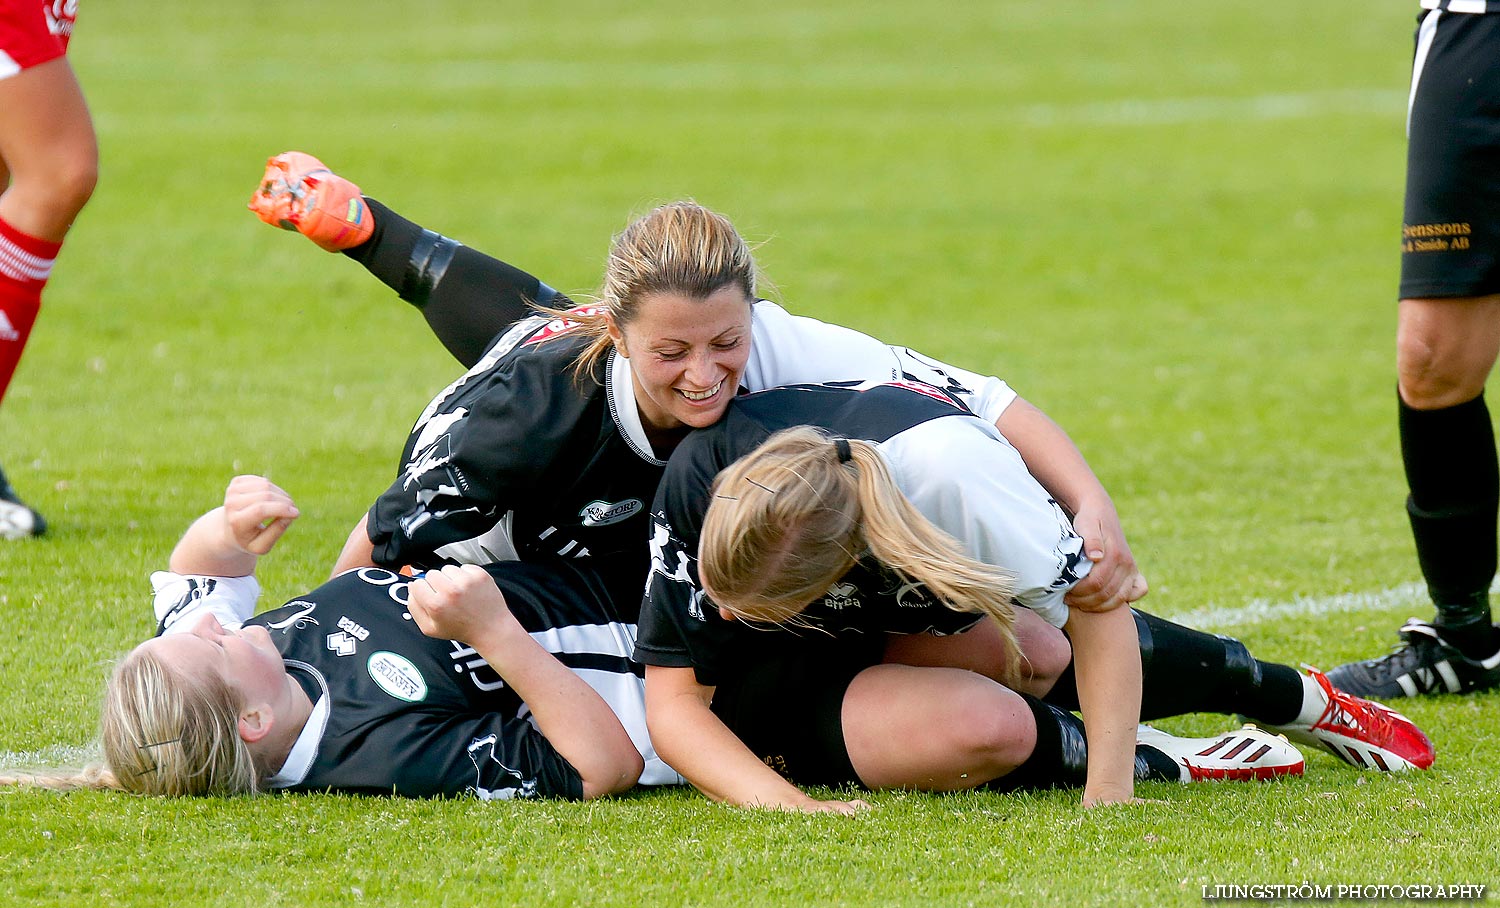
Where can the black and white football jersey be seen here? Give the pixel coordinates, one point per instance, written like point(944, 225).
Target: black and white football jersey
point(956, 468)
point(522, 459)
point(398, 712)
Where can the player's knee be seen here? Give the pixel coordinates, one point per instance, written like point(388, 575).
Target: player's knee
point(73, 179)
point(1430, 380)
point(1045, 658)
point(993, 734)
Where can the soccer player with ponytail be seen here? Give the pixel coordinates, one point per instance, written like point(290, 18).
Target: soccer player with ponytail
point(790, 563)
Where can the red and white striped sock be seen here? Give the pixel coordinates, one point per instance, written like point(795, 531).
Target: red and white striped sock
point(25, 265)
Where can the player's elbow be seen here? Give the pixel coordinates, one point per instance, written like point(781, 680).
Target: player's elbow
point(615, 775)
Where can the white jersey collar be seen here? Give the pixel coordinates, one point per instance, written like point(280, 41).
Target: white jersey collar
point(305, 749)
point(619, 389)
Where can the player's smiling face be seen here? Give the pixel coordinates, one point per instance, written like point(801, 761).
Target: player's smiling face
point(245, 658)
point(687, 355)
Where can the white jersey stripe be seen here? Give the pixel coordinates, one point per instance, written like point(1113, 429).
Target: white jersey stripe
point(1461, 6)
point(1425, 34)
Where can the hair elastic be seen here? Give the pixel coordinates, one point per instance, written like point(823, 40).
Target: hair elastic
point(841, 447)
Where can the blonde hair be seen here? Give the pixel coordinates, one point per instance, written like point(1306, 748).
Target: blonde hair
point(789, 519)
point(679, 248)
point(163, 732)
point(166, 732)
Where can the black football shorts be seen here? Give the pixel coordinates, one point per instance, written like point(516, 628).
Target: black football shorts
point(1450, 233)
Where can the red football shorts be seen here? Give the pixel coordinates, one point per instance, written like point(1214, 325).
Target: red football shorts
point(33, 32)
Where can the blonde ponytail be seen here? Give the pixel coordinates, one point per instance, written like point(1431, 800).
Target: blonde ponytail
point(789, 519)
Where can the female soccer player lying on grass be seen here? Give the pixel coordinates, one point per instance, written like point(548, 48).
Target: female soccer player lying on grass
point(361, 685)
point(553, 443)
point(903, 513)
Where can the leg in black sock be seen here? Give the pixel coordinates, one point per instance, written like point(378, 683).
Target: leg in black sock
point(466, 296)
point(1189, 671)
point(1451, 471)
point(1060, 758)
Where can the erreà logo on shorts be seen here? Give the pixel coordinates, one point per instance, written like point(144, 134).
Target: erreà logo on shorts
point(602, 513)
point(397, 676)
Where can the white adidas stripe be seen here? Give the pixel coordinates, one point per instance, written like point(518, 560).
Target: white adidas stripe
point(18, 264)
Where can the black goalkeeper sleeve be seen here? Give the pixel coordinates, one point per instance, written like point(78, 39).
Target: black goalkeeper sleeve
point(466, 296)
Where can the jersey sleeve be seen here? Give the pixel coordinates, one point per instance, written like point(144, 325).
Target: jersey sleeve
point(678, 626)
point(969, 481)
point(792, 349)
point(178, 597)
point(480, 449)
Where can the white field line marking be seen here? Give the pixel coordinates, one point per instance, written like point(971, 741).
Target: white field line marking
point(1127, 112)
point(1167, 111)
point(56, 755)
point(1259, 611)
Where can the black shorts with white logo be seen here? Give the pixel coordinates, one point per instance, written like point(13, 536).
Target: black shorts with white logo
point(1450, 235)
point(786, 706)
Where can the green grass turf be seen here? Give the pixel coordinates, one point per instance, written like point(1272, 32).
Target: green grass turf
point(1171, 226)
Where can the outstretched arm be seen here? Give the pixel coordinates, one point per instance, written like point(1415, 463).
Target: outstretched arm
point(1059, 466)
point(463, 603)
point(227, 541)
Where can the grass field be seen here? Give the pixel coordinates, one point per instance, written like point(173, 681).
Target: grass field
point(1173, 227)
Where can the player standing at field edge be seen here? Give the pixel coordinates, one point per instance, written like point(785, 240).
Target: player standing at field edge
point(1447, 339)
point(50, 159)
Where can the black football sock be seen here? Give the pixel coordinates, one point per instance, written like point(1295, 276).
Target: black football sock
point(466, 296)
point(1451, 471)
point(1189, 671)
point(1060, 758)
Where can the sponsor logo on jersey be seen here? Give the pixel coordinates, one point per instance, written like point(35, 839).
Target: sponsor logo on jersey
point(397, 676)
point(341, 643)
point(602, 513)
point(912, 595)
point(841, 596)
point(481, 673)
point(355, 629)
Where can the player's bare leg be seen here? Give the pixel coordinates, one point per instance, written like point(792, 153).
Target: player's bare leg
point(50, 161)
